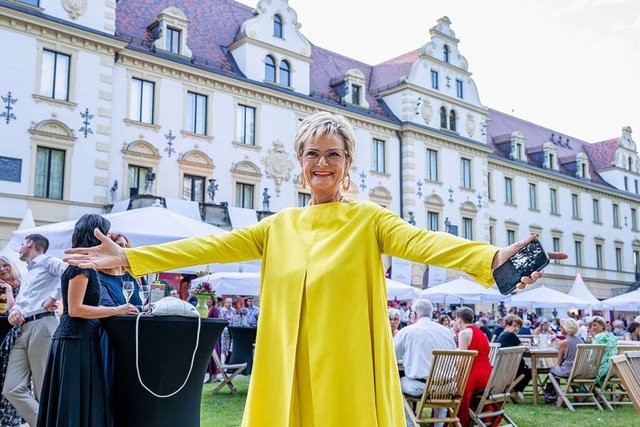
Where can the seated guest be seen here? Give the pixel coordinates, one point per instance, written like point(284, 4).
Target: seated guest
point(509, 338)
point(405, 314)
point(414, 345)
point(567, 349)
point(526, 328)
point(497, 330)
point(597, 328)
point(394, 320)
point(472, 338)
point(253, 312)
point(633, 332)
point(482, 325)
point(544, 334)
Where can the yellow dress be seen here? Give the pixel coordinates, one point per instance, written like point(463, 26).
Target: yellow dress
point(324, 352)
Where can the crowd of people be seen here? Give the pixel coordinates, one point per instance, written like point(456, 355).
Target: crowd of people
point(464, 329)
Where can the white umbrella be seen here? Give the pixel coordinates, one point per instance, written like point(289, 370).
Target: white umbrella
point(399, 290)
point(543, 297)
point(462, 290)
point(628, 301)
point(228, 283)
point(249, 284)
point(144, 226)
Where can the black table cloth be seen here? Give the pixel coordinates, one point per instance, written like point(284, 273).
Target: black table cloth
point(165, 349)
point(243, 339)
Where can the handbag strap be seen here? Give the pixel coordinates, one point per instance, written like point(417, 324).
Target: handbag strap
point(193, 356)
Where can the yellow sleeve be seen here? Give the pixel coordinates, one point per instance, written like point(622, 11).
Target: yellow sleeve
point(398, 238)
point(239, 245)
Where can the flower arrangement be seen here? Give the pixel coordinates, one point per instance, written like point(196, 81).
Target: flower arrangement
point(203, 288)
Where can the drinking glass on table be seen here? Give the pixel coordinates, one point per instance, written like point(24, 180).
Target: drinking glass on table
point(127, 290)
point(144, 294)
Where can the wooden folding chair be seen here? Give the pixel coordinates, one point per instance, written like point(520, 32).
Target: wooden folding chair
point(581, 382)
point(633, 357)
point(612, 392)
point(623, 365)
point(493, 351)
point(226, 378)
point(498, 389)
point(444, 387)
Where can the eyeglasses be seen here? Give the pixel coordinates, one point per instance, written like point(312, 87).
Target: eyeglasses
point(333, 156)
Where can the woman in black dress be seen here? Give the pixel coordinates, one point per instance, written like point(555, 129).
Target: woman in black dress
point(73, 389)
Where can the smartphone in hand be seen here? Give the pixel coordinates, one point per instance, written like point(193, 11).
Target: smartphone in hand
point(530, 258)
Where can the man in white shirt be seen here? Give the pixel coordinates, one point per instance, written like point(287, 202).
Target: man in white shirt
point(405, 314)
point(34, 309)
point(414, 345)
point(253, 312)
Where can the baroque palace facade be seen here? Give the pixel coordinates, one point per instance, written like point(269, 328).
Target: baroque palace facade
point(104, 101)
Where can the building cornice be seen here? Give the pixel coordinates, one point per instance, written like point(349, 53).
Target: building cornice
point(60, 32)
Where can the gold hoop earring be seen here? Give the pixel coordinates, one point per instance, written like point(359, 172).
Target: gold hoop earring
point(302, 181)
point(346, 182)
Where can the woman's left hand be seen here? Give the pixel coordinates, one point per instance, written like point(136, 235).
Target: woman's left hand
point(506, 252)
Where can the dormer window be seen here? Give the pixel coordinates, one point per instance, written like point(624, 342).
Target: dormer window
point(582, 166)
point(445, 53)
point(517, 146)
point(285, 73)
point(170, 32)
point(269, 69)
point(172, 40)
point(277, 26)
point(550, 157)
point(353, 93)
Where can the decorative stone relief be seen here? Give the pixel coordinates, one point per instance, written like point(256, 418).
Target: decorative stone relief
point(471, 125)
point(426, 110)
point(75, 8)
point(278, 165)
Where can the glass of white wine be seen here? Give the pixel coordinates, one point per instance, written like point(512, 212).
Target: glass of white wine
point(144, 294)
point(127, 290)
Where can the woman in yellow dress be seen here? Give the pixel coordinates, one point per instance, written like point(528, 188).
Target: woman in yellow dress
point(324, 353)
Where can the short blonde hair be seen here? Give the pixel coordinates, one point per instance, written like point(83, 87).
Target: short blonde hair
point(324, 123)
point(599, 320)
point(570, 325)
point(15, 273)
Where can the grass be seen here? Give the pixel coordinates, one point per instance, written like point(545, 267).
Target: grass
point(225, 410)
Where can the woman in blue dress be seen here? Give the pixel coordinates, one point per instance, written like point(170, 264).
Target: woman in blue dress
point(73, 390)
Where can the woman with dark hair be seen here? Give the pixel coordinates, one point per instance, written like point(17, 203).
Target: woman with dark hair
point(509, 338)
point(73, 389)
point(633, 332)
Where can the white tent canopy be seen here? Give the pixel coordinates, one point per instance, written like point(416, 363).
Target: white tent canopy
point(629, 301)
point(463, 291)
point(144, 226)
point(543, 297)
point(579, 290)
point(9, 250)
point(249, 284)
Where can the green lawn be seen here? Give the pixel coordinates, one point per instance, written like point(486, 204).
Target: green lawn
point(225, 410)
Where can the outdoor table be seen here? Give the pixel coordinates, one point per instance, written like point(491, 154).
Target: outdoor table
point(165, 349)
point(540, 358)
point(243, 339)
point(5, 327)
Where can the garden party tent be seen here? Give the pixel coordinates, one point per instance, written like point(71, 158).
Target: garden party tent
point(462, 291)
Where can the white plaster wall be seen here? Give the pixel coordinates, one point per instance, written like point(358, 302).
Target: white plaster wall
point(94, 16)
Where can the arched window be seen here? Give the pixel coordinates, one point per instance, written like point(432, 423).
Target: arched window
point(285, 74)
point(452, 120)
point(445, 53)
point(269, 69)
point(443, 118)
point(277, 26)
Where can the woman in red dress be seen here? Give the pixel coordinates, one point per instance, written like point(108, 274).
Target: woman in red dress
point(472, 338)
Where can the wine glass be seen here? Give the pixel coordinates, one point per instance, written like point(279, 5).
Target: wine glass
point(127, 290)
point(144, 293)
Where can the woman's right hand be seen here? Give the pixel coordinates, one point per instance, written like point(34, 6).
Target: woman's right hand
point(106, 255)
point(126, 309)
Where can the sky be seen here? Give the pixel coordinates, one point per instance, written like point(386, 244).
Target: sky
point(569, 65)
